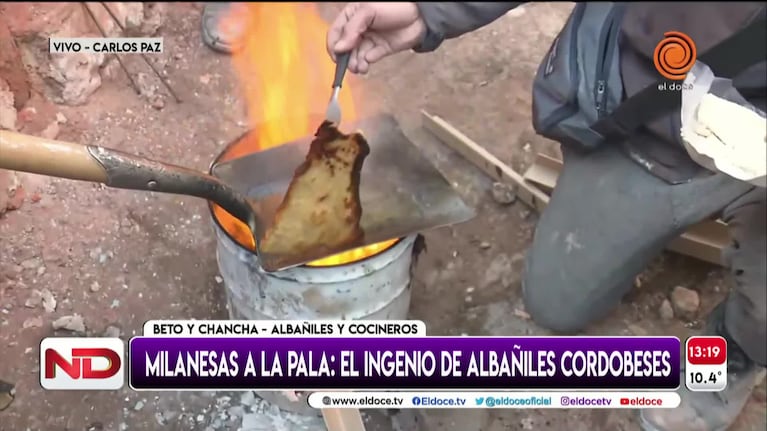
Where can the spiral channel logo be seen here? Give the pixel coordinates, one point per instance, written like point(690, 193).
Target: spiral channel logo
point(675, 55)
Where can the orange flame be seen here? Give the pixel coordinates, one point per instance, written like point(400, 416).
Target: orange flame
point(286, 76)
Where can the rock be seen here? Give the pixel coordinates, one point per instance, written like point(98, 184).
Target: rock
point(48, 300)
point(685, 302)
point(74, 77)
point(12, 193)
point(72, 323)
point(484, 245)
point(158, 102)
point(95, 287)
point(153, 18)
point(139, 405)
point(159, 417)
point(60, 118)
point(169, 415)
point(112, 331)
point(9, 181)
point(527, 423)
point(522, 314)
point(145, 85)
point(235, 411)
point(35, 300)
point(8, 114)
point(503, 194)
point(248, 398)
point(518, 258)
point(130, 15)
point(666, 311)
point(51, 132)
point(32, 263)
point(32, 322)
point(27, 113)
point(12, 70)
point(499, 270)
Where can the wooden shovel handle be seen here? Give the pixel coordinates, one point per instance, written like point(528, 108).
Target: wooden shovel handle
point(26, 153)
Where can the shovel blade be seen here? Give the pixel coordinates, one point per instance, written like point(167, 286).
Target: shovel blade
point(401, 192)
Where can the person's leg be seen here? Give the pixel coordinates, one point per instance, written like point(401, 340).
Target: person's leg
point(607, 219)
point(220, 29)
point(741, 319)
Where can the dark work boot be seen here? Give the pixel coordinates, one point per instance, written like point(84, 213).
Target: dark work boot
point(710, 411)
point(7, 394)
point(223, 26)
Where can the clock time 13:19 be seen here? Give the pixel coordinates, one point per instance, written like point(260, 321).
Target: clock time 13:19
point(706, 364)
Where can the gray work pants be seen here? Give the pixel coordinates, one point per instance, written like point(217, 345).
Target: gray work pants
point(609, 217)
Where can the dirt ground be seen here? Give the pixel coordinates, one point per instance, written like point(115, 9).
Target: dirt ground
point(119, 258)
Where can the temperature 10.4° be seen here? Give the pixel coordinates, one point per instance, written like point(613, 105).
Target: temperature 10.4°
point(706, 364)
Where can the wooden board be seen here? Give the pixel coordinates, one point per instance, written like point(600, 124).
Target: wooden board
point(544, 172)
point(481, 158)
point(704, 241)
point(343, 420)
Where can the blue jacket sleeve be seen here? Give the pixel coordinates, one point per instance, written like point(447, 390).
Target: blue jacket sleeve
point(446, 20)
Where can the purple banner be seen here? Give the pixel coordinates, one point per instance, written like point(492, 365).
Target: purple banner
point(405, 363)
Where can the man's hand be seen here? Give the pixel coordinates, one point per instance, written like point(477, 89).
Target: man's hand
point(371, 31)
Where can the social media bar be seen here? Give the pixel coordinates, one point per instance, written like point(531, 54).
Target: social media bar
point(507, 400)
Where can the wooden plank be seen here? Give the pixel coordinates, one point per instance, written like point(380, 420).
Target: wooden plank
point(481, 158)
point(543, 172)
point(343, 420)
point(704, 241)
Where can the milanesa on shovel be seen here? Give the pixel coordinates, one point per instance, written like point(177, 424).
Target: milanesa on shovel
point(321, 210)
point(305, 210)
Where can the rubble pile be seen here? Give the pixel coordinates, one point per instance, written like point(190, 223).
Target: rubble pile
point(31, 78)
point(70, 79)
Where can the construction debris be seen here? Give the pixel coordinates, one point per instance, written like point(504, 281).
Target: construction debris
point(503, 193)
point(666, 310)
point(72, 323)
point(685, 302)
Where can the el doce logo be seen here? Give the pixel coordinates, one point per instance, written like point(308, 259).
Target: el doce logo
point(675, 55)
point(82, 363)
